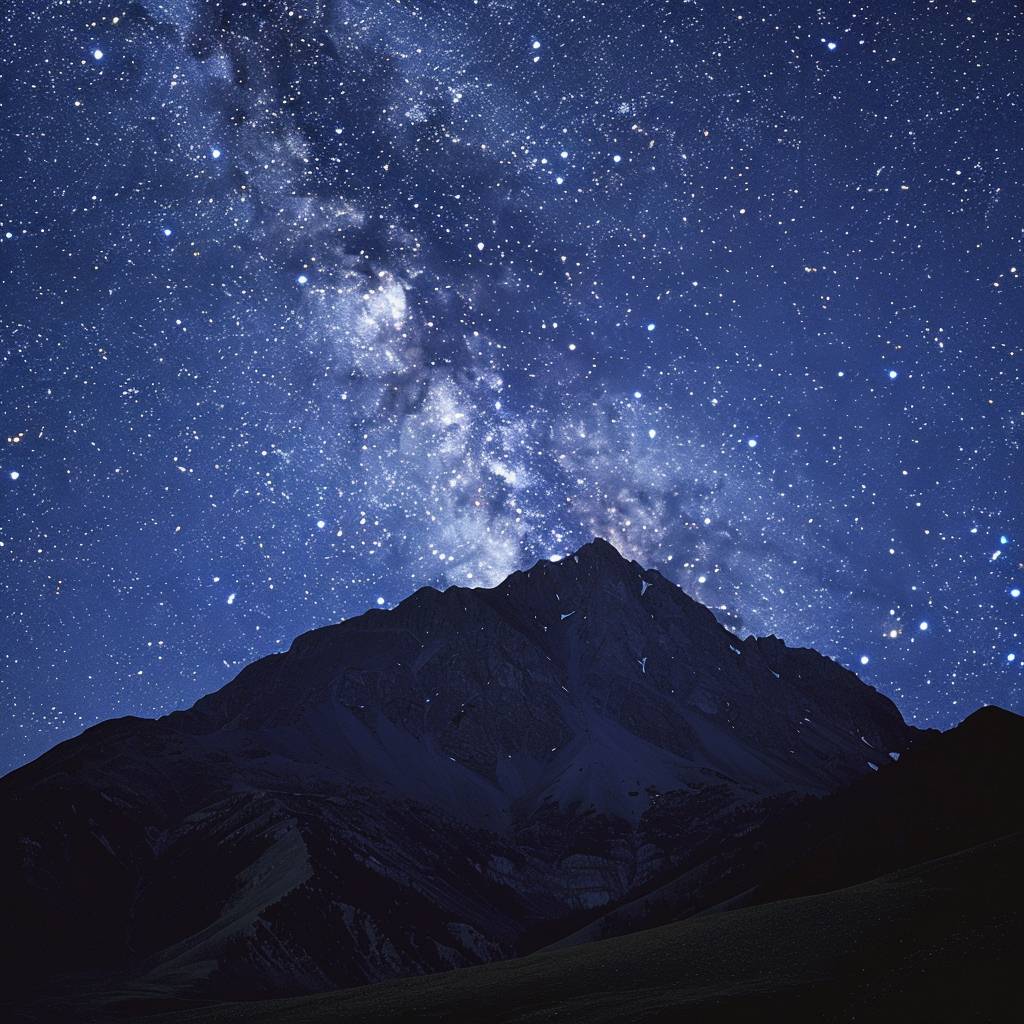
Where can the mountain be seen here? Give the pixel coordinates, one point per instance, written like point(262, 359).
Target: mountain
point(464, 778)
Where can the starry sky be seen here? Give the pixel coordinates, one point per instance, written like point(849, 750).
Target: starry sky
point(307, 304)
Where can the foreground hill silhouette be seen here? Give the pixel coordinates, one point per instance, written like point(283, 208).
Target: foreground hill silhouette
point(582, 751)
point(936, 942)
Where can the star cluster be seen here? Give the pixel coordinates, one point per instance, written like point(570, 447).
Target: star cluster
point(308, 304)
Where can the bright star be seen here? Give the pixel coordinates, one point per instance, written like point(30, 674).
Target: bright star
point(97, 54)
point(923, 627)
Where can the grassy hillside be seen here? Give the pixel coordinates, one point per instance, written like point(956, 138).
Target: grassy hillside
point(930, 943)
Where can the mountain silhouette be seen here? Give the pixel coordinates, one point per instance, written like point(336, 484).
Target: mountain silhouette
point(580, 751)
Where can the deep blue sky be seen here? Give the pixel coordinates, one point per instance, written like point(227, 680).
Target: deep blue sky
point(305, 305)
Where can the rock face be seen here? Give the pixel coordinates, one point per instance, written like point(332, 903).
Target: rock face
point(462, 778)
point(952, 791)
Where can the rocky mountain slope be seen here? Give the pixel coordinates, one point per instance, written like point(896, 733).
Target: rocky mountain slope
point(934, 942)
point(930, 931)
point(463, 778)
point(950, 792)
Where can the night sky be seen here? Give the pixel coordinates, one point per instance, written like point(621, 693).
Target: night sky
point(308, 304)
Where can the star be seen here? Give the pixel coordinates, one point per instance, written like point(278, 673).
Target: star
point(333, 284)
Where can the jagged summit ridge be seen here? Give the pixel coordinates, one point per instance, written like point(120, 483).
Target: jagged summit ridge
point(509, 682)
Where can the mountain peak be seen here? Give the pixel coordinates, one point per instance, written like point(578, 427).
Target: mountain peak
point(594, 553)
point(559, 665)
point(601, 548)
point(990, 723)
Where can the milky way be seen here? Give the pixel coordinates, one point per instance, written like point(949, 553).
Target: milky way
point(306, 305)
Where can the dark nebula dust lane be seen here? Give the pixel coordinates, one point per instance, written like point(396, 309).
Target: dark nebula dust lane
point(308, 304)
